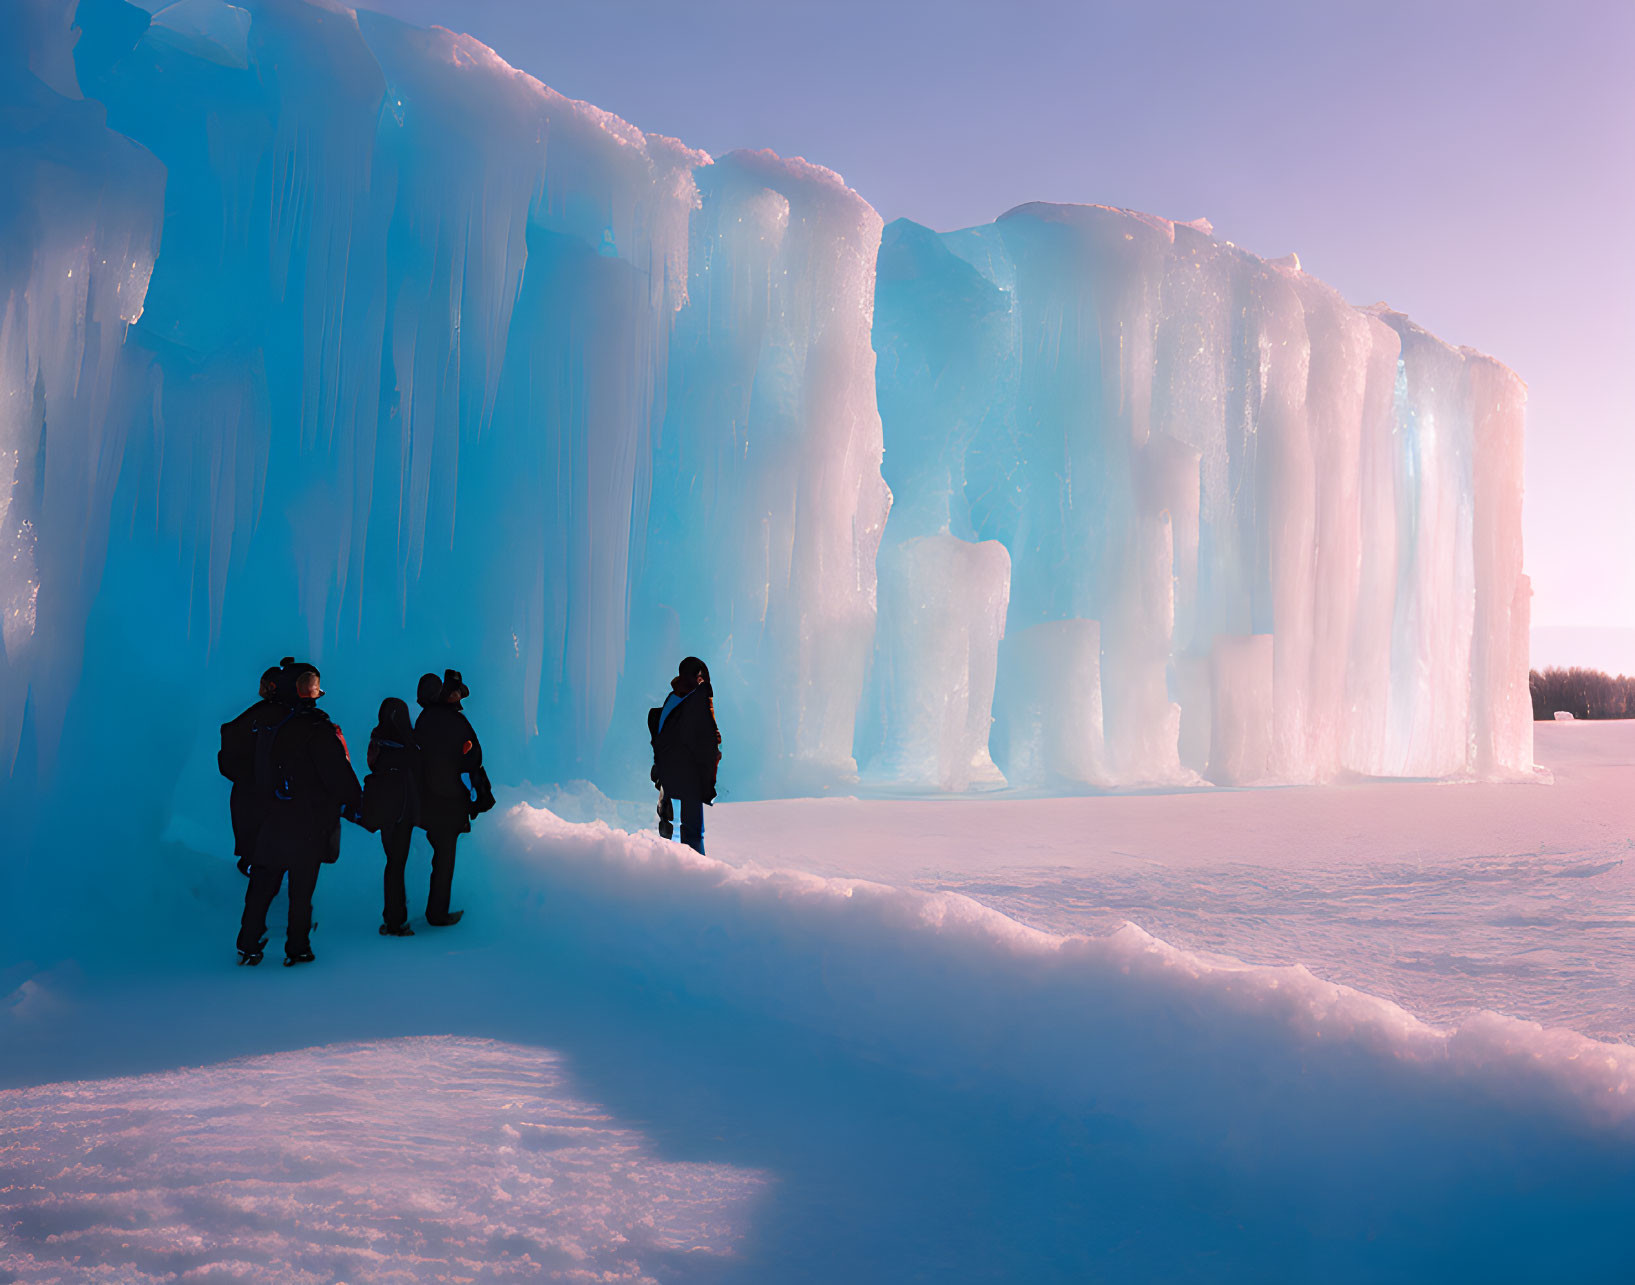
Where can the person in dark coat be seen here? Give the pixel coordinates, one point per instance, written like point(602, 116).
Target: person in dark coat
point(391, 804)
point(686, 751)
point(236, 760)
point(303, 780)
point(453, 787)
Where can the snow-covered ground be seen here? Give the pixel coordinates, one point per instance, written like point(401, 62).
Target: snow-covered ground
point(1447, 898)
point(398, 1160)
point(807, 1058)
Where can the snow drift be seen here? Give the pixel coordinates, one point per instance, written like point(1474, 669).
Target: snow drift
point(1387, 1142)
point(928, 1087)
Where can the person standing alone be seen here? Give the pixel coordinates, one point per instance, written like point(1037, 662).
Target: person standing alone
point(303, 779)
point(454, 787)
point(686, 751)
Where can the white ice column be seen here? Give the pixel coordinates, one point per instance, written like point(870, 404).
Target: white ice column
point(1240, 750)
point(1087, 288)
point(1368, 676)
point(211, 432)
point(1341, 345)
point(768, 500)
point(942, 615)
point(1051, 706)
point(1167, 482)
point(1501, 707)
point(1435, 611)
point(1288, 503)
point(1197, 382)
point(467, 137)
point(944, 339)
point(539, 256)
point(1142, 724)
point(80, 209)
point(1195, 370)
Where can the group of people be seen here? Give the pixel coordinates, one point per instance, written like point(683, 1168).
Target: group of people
point(293, 783)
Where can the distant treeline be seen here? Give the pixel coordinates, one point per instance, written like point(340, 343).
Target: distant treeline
point(1583, 693)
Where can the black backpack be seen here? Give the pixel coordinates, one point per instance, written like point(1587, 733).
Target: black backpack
point(236, 759)
point(390, 788)
point(272, 778)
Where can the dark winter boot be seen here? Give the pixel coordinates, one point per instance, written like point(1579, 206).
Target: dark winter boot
point(299, 957)
point(667, 815)
point(402, 930)
point(445, 921)
point(250, 958)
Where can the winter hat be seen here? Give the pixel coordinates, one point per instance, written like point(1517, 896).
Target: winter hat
point(289, 674)
point(451, 680)
point(429, 691)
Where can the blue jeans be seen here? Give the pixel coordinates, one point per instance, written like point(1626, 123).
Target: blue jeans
point(692, 819)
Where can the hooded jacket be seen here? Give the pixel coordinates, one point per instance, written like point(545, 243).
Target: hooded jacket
point(391, 791)
point(309, 763)
point(448, 748)
point(687, 744)
point(236, 761)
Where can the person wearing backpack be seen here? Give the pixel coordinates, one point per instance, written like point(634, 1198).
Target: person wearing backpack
point(454, 788)
point(686, 751)
point(303, 780)
point(236, 761)
point(391, 804)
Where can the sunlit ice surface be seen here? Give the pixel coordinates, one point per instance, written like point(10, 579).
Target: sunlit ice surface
point(432, 1159)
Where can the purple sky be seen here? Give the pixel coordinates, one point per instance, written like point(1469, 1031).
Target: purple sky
point(1469, 162)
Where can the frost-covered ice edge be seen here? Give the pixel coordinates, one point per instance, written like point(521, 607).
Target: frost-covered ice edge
point(312, 317)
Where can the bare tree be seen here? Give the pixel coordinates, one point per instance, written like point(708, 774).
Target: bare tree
point(1583, 693)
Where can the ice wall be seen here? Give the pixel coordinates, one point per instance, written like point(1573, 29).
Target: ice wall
point(79, 228)
point(402, 382)
point(1296, 523)
point(436, 367)
point(768, 504)
point(943, 333)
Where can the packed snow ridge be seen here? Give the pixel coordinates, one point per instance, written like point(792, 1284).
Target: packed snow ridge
point(312, 316)
point(936, 977)
point(1316, 1115)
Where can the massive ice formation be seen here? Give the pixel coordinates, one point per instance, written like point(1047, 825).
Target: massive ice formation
point(768, 503)
point(436, 366)
point(79, 226)
point(1297, 523)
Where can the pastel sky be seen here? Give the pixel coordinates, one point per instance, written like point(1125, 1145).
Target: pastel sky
point(1468, 161)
